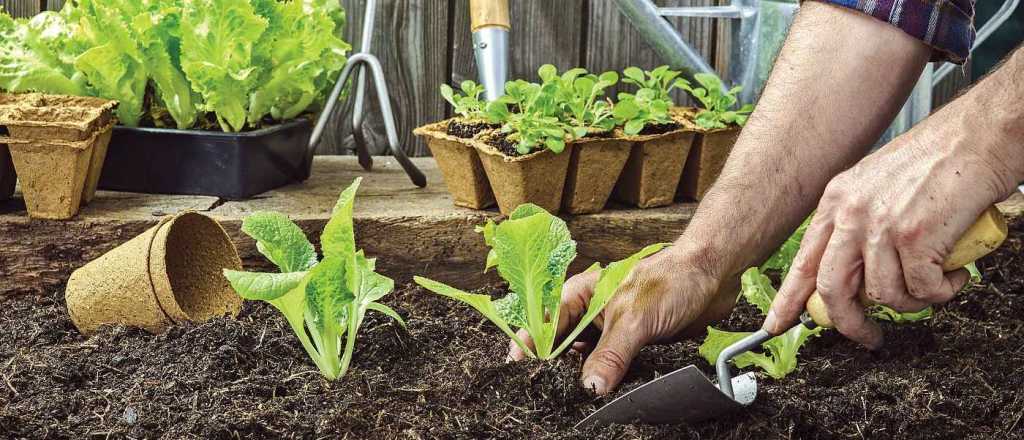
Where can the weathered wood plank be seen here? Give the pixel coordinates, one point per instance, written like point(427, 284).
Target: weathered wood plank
point(613, 44)
point(22, 8)
point(411, 40)
point(54, 5)
point(412, 231)
point(543, 32)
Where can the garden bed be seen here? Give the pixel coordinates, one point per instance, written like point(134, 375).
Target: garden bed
point(954, 376)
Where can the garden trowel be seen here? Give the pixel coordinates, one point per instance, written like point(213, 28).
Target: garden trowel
point(687, 395)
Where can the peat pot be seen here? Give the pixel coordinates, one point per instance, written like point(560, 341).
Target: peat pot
point(595, 165)
point(54, 174)
point(537, 178)
point(193, 162)
point(707, 158)
point(463, 172)
point(651, 175)
point(170, 274)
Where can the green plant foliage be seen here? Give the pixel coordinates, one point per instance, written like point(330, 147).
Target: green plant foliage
point(718, 103)
point(35, 54)
point(651, 102)
point(780, 352)
point(532, 251)
point(466, 104)
point(534, 121)
point(636, 111)
point(324, 302)
point(661, 80)
point(242, 60)
point(578, 97)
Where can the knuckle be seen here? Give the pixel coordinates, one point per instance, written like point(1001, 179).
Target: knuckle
point(610, 359)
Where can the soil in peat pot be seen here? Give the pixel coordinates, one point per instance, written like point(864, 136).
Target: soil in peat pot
point(466, 130)
point(955, 376)
point(650, 129)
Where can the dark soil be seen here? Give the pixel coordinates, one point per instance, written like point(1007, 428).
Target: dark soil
point(659, 128)
point(466, 130)
point(502, 143)
point(956, 376)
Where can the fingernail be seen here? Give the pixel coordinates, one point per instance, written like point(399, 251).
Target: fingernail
point(595, 384)
point(769, 321)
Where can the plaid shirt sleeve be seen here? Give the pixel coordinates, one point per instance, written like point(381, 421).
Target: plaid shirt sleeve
point(946, 25)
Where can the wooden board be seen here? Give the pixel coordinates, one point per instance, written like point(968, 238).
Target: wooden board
point(412, 231)
point(22, 8)
point(543, 32)
point(411, 40)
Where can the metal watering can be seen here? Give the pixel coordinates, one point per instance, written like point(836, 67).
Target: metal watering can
point(757, 35)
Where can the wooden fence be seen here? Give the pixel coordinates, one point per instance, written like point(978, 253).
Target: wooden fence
point(423, 43)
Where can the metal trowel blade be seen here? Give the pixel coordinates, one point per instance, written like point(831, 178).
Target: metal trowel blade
point(682, 396)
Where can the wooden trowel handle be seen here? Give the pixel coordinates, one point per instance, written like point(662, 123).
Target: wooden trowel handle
point(488, 13)
point(983, 237)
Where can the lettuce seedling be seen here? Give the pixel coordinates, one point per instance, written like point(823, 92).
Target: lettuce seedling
point(635, 111)
point(718, 103)
point(466, 104)
point(324, 302)
point(532, 251)
point(534, 122)
point(662, 80)
point(578, 100)
point(779, 356)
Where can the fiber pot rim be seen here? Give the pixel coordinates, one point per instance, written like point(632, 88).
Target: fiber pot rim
point(39, 143)
point(168, 293)
point(438, 129)
point(90, 116)
point(485, 148)
point(684, 115)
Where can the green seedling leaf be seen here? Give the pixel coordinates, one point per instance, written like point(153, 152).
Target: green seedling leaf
point(532, 250)
point(718, 103)
point(263, 286)
point(607, 284)
point(482, 304)
point(281, 241)
point(324, 303)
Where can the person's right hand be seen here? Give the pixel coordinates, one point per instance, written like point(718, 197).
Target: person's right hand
point(664, 298)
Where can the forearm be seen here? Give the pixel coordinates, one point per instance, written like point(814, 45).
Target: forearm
point(839, 81)
point(987, 123)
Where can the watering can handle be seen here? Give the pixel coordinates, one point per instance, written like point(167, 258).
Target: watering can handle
point(983, 237)
point(997, 20)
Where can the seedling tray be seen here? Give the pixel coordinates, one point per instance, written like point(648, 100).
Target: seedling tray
point(227, 165)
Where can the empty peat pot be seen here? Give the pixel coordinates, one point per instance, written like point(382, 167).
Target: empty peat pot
point(170, 274)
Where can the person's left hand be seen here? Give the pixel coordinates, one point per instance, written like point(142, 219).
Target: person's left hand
point(889, 222)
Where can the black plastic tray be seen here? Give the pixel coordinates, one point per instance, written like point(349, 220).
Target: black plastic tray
point(228, 165)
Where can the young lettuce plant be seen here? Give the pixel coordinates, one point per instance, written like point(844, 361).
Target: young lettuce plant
point(324, 302)
point(661, 80)
point(779, 357)
point(466, 104)
point(578, 97)
point(534, 123)
point(718, 103)
point(634, 112)
point(532, 251)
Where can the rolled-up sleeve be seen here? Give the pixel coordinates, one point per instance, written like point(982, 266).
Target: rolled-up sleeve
point(945, 25)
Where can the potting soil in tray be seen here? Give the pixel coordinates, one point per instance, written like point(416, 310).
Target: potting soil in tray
point(953, 377)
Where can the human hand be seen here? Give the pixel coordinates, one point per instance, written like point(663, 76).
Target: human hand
point(887, 224)
point(665, 297)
